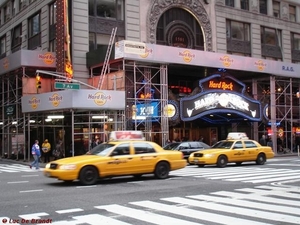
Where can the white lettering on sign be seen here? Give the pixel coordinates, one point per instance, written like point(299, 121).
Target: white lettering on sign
point(146, 111)
point(226, 100)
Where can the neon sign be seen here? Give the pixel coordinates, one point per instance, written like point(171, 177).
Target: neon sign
point(221, 85)
point(205, 103)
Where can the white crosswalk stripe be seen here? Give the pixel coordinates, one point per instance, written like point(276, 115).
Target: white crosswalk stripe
point(16, 168)
point(262, 205)
point(242, 174)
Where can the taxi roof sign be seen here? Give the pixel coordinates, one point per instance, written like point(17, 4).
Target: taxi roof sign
point(237, 135)
point(127, 135)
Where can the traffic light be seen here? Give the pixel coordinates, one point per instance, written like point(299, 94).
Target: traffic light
point(38, 81)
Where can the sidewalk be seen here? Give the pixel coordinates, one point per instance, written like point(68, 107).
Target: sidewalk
point(21, 161)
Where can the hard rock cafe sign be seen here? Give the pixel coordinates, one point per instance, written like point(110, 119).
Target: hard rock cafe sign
point(220, 94)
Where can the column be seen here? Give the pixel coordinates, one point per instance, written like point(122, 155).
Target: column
point(237, 4)
point(270, 7)
point(272, 108)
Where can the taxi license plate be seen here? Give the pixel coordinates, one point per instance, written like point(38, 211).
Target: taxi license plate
point(196, 160)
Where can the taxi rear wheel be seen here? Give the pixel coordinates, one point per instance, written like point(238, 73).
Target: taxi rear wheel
point(222, 161)
point(162, 170)
point(261, 159)
point(88, 175)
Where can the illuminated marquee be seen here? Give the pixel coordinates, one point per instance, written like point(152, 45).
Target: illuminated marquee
point(203, 103)
point(220, 94)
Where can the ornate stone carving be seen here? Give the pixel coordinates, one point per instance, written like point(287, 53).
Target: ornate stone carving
point(220, 2)
point(254, 6)
point(296, 55)
point(271, 51)
point(194, 6)
point(285, 11)
point(239, 46)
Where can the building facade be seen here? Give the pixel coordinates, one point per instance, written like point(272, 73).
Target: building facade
point(252, 44)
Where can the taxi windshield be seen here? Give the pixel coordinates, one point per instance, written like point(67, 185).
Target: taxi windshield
point(223, 144)
point(101, 149)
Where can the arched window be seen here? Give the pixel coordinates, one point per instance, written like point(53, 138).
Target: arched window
point(177, 27)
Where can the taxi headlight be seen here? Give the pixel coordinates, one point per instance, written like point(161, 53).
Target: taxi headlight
point(68, 167)
point(209, 155)
point(47, 166)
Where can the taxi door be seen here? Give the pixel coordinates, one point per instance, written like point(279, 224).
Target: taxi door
point(251, 150)
point(238, 151)
point(145, 157)
point(120, 161)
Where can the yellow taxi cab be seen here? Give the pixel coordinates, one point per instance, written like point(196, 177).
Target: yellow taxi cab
point(237, 148)
point(127, 153)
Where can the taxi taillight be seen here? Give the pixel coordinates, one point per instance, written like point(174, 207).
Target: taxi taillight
point(182, 155)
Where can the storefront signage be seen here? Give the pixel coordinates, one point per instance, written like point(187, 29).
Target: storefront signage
point(171, 110)
point(187, 56)
point(10, 110)
point(48, 58)
point(134, 47)
point(206, 103)
point(77, 99)
point(142, 111)
point(55, 99)
point(226, 60)
point(34, 102)
point(260, 64)
point(220, 85)
point(223, 94)
point(6, 63)
point(147, 53)
point(99, 98)
point(219, 82)
point(288, 68)
point(165, 55)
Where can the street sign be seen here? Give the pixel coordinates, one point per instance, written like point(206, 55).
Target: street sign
point(61, 85)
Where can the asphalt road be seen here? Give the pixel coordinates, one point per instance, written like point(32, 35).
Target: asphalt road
point(248, 194)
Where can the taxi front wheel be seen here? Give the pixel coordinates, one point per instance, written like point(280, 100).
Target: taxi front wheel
point(162, 170)
point(222, 161)
point(88, 175)
point(261, 159)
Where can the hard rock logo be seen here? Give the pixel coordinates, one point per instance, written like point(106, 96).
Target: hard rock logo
point(48, 58)
point(187, 56)
point(99, 98)
point(55, 99)
point(147, 53)
point(261, 65)
point(226, 60)
point(5, 63)
point(34, 102)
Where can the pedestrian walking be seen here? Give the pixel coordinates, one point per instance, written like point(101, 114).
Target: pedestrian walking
point(36, 153)
point(46, 147)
